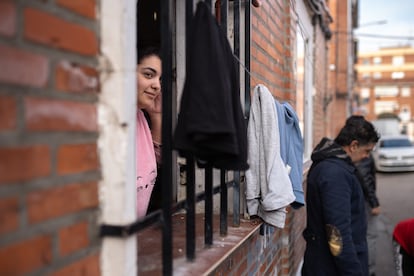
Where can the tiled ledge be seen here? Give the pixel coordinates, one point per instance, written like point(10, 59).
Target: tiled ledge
point(206, 259)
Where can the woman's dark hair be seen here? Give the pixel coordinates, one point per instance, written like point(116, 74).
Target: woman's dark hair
point(357, 128)
point(147, 52)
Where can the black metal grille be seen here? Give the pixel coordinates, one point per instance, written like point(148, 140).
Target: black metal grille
point(163, 216)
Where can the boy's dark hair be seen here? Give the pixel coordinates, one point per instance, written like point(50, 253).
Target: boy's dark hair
point(146, 52)
point(357, 128)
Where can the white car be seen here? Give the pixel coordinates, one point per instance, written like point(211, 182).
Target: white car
point(394, 154)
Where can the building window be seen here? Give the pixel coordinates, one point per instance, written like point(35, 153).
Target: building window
point(405, 91)
point(397, 60)
point(405, 113)
point(385, 107)
point(365, 95)
point(366, 61)
point(377, 60)
point(377, 75)
point(397, 75)
point(366, 76)
point(386, 91)
point(304, 85)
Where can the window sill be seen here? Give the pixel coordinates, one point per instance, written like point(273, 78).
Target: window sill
point(207, 259)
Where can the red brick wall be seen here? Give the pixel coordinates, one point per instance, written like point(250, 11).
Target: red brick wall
point(49, 166)
point(272, 52)
point(275, 251)
point(322, 114)
point(339, 57)
point(270, 49)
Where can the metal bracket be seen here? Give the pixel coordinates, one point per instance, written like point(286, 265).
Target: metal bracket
point(123, 231)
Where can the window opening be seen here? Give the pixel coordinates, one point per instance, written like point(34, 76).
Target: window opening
point(405, 113)
point(397, 75)
point(148, 35)
point(398, 60)
point(405, 91)
point(377, 75)
point(377, 60)
point(300, 73)
point(303, 67)
point(159, 15)
point(386, 91)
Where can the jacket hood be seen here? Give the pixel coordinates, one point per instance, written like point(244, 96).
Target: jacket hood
point(327, 148)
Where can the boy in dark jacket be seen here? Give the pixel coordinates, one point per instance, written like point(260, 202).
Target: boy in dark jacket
point(336, 219)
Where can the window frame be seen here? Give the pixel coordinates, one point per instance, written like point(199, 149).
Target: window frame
point(306, 31)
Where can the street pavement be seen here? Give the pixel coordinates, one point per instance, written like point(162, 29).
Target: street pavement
point(395, 192)
point(385, 249)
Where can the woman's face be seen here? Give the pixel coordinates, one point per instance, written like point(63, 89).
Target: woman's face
point(149, 83)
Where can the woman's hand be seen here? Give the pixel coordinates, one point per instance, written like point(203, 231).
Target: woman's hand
point(158, 104)
point(155, 114)
point(157, 107)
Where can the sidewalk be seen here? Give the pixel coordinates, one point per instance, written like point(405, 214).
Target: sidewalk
point(385, 257)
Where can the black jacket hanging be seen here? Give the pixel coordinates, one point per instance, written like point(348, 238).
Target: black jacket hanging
point(210, 123)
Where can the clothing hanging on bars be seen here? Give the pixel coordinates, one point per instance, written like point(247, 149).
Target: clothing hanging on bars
point(268, 187)
point(210, 122)
point(291, 148)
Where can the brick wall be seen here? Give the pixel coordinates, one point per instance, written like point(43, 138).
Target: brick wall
point(258, 255)
point(49, 166)
point(322, 114)
point(269, 250)
point(280, 251)
point(270, 49)
point(339, 47)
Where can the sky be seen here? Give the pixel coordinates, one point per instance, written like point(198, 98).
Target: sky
point(398, 29)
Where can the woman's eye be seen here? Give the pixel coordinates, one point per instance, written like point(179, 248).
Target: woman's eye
point(148, 75)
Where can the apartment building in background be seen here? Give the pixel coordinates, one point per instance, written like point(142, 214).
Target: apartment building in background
point(385, 85)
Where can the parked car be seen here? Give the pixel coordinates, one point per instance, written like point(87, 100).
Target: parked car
point(394, 154)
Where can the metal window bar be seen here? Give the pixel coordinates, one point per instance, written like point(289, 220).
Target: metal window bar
point(166, 172)
point(190, 165)
point(236, 42)
point(163, 216)
point(247, 102)
point(208, 205)
point(223, 203)
point(223, 189)
point(190, 207)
